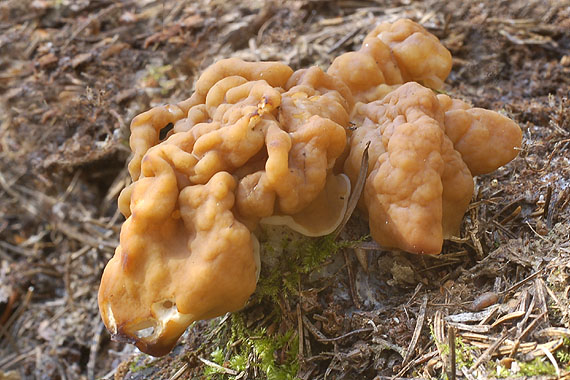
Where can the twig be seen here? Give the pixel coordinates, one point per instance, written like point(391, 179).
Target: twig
point(313, 329)
point(417, 330)
point(88, 22)
point(422, 359)
point(520, 328)
point(93, 351)
point(300, 330)
point(15, 358)
point(358, 331)
point(16, 249)
point(19, 311)
point(356, 192)
point(520, 283)
point(489, 351)
point(451, 343)
point(180, 372)
point(343, 40)
point(218, 367)
point(352, 287)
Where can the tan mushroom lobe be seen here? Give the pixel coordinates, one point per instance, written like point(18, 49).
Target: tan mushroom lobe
point(323, 215)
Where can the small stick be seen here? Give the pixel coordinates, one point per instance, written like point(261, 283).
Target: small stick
point(489, 351)
point(417, 331)
point(300, 329)
point(352, 286)
point(547, 200)
point(180, 372)
point(93, 351)
point(451, 343)
point(358, 331)
point(521, 282)
point(218, 367)
point(356, 192)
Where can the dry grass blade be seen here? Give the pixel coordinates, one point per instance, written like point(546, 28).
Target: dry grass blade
point(417, 331)
point(550, 346)
point(356, 191)
point(451, 343)
point(300, 330)
point(489, 351)
point(522, 282)
point(508, 317)
point(520, 332)
point(439, 335)
point(180, 372)
point(552, 360)
point(218, 367)
point(554, 331)
point(472, 317)
point(470, 328)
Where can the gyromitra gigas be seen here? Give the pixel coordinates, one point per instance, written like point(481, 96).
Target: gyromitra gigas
point(424, 149)
point(257, 143)
point(254, 142)
point(423, 152)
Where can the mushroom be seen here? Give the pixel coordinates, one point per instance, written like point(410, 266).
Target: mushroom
point(419, 185)
point(416, 181)
point(301, 149)
point(392, 54)
point(258, 143)
point(254, 140)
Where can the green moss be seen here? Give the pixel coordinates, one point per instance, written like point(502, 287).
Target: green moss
point(274, 355)
point(298, 257)
point(536, 367)
point(140, 362)
point(464, 353)
point(563, 353)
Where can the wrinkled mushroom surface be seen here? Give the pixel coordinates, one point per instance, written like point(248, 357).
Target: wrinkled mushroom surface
point(392, 54)
point(486, 140)
point(418, 187)
point(254, 140)
point(183, 257)
point(422, 150)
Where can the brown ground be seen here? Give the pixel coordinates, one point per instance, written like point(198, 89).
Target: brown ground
point(74, 73)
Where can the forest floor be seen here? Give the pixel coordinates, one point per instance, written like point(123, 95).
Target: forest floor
point(73, 74)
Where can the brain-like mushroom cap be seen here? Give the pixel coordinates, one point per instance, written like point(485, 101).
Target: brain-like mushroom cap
point(418, 187)
point(254, 140)
point(424, 150)
point(392, 54)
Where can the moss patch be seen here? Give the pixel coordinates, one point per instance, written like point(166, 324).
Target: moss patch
point(274, 356)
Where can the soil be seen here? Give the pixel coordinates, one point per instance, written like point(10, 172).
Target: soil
point(73, 74)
